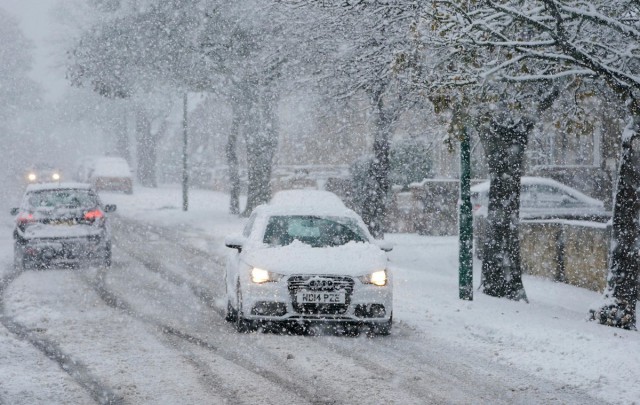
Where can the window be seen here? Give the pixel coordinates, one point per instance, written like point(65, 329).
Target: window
point(314, 231)
point(62, 199)
point(247, 228)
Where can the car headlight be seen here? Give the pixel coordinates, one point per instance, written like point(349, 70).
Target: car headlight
point(32, 177)
point(378, 278)
point(55, 176)
point(260, 276)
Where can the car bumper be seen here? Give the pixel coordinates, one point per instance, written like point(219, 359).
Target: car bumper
point(113, 184)
point(277, 301)
point(63, 249)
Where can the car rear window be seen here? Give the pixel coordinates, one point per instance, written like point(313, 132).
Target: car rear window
point(312, 230)
point(62, 199)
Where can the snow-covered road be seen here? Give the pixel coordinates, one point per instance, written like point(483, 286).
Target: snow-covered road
point(150, 329)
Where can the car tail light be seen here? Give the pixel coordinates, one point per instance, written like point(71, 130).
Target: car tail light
point(93, 215)
point(24, 218)
point(476, 207)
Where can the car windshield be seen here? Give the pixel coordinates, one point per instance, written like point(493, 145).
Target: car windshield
point(312, 230)
point(61, 199)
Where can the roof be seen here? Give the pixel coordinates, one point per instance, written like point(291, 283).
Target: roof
point(58, 186)
point(527, 180)
point(314, 199)
point(111, 166)
point(306, 202)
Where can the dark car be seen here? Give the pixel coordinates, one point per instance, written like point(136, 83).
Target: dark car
point(59, 224)
point(42, 173)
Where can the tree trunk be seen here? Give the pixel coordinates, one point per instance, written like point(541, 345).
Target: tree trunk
point(146, 150)
point(232, 162)
point(621, 295)
point(374, 205)
point(122, 133)
point(261, 141)
point(504, 145)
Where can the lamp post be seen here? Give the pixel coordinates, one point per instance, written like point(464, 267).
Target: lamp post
point(465, 257)
point(185, 171)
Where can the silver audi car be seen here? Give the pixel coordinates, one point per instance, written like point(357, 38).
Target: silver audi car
point(306, 258)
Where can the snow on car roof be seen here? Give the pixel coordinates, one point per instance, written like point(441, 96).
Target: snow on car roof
point(306, 202)
point(58, 186)
point(111, 166)
point(527, 180)
point(327, 211)
point(313, 199)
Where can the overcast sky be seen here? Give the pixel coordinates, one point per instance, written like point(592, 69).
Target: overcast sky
point(37, 24)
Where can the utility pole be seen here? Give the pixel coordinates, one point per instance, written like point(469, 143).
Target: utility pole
point(465, 276)
point(185, 172)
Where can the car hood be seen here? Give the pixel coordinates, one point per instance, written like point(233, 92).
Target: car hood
point(352, 259)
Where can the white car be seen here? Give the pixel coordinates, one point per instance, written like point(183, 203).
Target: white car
point(111, 173)
point(540, 199)
point(544, 198)
point(306, 258)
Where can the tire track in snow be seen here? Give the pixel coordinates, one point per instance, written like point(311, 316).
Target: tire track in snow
point(497, 384)
point(469, 376)
point(79, 372)
point(153, 263)
point(297, 388)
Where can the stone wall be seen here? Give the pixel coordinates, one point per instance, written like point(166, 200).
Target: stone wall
point(574, 252)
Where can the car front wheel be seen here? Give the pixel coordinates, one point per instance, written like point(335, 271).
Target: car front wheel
point(230, 315)
point(242, 325)
point(381, 328)
point(106, 260)
point(20, 261)
point(18, 257)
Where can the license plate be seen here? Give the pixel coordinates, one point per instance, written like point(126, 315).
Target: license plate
point(67, 222)
point(320, 297)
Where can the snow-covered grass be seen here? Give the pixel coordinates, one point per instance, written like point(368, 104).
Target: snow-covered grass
point(548, 337)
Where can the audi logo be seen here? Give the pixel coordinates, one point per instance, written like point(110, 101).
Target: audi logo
point(320, 284)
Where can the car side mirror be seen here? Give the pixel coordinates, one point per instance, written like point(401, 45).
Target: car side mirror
point(385, 245)
point(235, 242)
point(15, 211)
point(110, 208)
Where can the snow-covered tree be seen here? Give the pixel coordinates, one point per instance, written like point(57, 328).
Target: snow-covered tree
point(141, 52)
point(555, 44)
point(235, 50)
point(370, 48)
point(247, 43)
point(18, 92)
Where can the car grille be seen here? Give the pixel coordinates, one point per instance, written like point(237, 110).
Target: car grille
point(335, 283)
